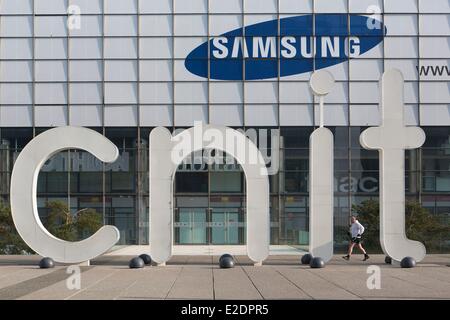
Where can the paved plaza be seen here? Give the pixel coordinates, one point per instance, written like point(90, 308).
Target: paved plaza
point(199, 277)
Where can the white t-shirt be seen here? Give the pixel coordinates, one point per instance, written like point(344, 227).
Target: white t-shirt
point(356, 228)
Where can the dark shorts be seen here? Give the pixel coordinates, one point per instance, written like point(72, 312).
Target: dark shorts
point(356, 240)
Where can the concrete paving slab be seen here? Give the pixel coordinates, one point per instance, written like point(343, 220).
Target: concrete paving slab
point(24, 274)
point(60, 291)
point(30, 280)
point(154, 283)
point(234, 284)
point(112, 287)
point(199, 277)
point(193, 282)
point(314, 285)
point(354, 279)
point(273, 285)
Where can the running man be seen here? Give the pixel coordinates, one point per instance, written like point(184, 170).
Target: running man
point(356, 231)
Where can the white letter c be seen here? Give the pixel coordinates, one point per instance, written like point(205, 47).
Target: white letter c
point(24, 202)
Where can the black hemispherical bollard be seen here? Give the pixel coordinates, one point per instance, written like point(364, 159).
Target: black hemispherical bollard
point(136, 263)
point(46, 263)
point(226, 262)
point(388, 260)
point(306, 258)
point(317, 263)
point(226, 255)
point(146, 258)
point(408, 262)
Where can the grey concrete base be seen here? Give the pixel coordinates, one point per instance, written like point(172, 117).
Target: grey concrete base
point(199, 277)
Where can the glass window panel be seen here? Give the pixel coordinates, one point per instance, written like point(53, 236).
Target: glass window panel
point(50, 116)
point(51, 48)
point(220, 24)
point(229, 6)
point(11, 71)
point(260, 6)
point(17, 93)
point(88, 116)
point(296, 181)
point(16, 26)
point(400, 6)
point(86, 93)
point(121, 116)
point(226, 92)
point(296, 137)
point(88, 6)
point(51, 71)
point(435, 6)
point(156, 25)
point(156, 70)
point(401, 24)
point(188, 182)
point(16, 116)
point(295, 92)
point(296, 115)
point(51, 93)
point(434, 47)
point(117, 48)
point(336, 115)
point(366, 69)
point(434, 92)
point(86, 70)
point(50, 6)
point(261, 115)
point(364, 92)
point(50, 26)
point(295, 6)
point(187, 115)
point(191, 92)
point(155, 6)
point(337, 6)
point(401, 47)
point(157, 93)
point(120, 6)
point(191, 25)
point(120, 25)
point(155, 48)
point(91, 26)
point(121, 70)
point(16, 49)
point(153, 116)
point(90, 182)
point(261, 92)
point(86, 48)
point(184, 45)
point(183, 74)
point(226, 182)
point(226, 115)
point(120, 93)
point(296, 159)
point(16, 7)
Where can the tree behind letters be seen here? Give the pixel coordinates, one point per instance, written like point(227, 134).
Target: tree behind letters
point(420, 225)
point(59, 221)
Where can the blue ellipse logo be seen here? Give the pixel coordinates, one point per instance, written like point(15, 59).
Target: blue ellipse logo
point(270, 49)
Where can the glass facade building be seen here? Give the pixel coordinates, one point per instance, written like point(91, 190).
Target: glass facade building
point(119, 67)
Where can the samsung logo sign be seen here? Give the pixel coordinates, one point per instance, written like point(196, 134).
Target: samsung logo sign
point(285, 47)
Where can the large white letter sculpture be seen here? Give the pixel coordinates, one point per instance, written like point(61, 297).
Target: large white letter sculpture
point(321, 176)
point(162, 173)
point(392, 138)
point(23, 194)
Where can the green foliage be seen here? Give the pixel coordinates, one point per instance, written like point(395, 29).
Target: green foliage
point(420, 225)
point(71, 227)
point(60, 222)
point(10, 241)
